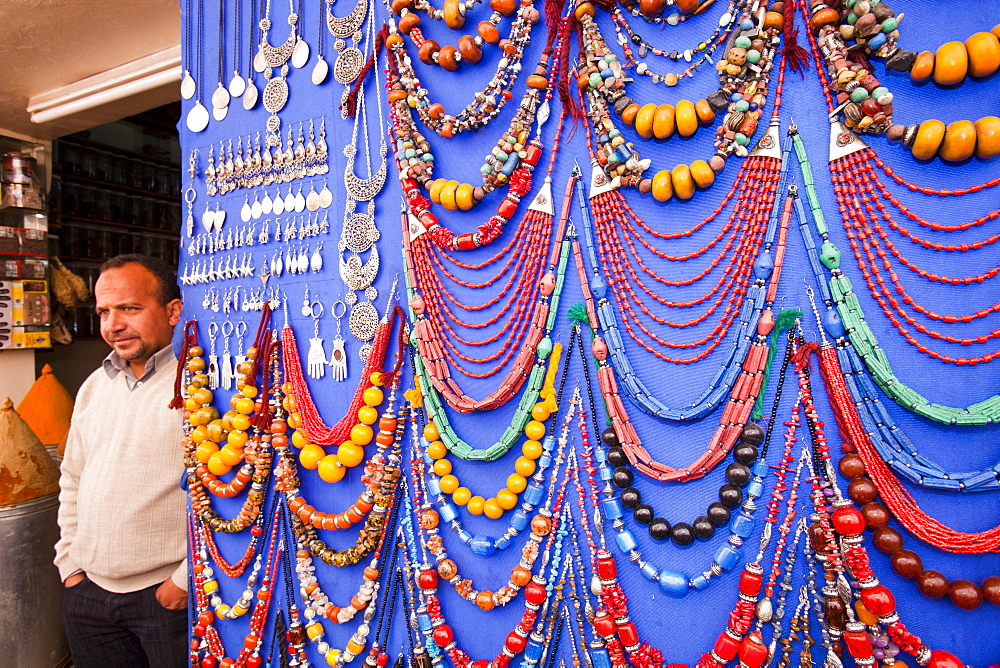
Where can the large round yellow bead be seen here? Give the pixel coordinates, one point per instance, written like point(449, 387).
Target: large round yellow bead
point(476, 505)
point(644, 121)
point(681, 179)
point(330, 469)
point(373, 396)
point(243, 406)
point(687, 118)
point(534, 430)
point(524, 466)
point(362, 434)
point(431, 432)
point(442, 467)
point(988, 137)
point(516, 483)
point(930, 134)
point(492, 509)
point(299, 439)
point(449, 483)
point(230, 456)
point(437, 450)
point(531, 449)
point(237, 438)
point(506, 499)
point(204, 451)
point(310, 456)
point(664, 121)
point(350, 453)
point(461, 496)
point(216, 466)
point(959, 141)
point(702, 174)
point(663, 189)
point(540, 412)
point(367, 415)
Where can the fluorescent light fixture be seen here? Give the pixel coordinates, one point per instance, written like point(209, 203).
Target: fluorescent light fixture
point(135, 78)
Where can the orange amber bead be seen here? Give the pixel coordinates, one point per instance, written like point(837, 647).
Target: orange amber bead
point(447, 569)
point(471, 53)
point(687, 6)
point(629, 114)
point(484, 600)
point(705, 112)
point(664, 121)
point(431, 432)
point(686, 118)
point(426, 52)
point(399, 5)
point(959, 141)
point(930, 134)
point(984, 54)
point(923, 66)
point(583, 9)
point(774, 20)
point(681, 179)
point(823, 17)
point(505, 7)
point(951, 63)
point(447, 59)
point(662, 187)
point(429, 518)
point(988, 137)
point(520, 576)
point(541, 525)
point(651, 8)
point(408, 23)
point(488, 32)
point(644, 120)
point(454, 18)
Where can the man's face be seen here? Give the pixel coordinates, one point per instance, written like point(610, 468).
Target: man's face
point(133, 321)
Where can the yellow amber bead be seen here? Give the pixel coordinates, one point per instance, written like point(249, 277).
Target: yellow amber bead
point(662, 187)
point(930, 134)
point(464, 198)
point(644, 121)
point(534, 430)
point(204, 451)
point(448, 195)
point(230, 456)
point(314, 630)
point(540, 412)
point(331, 657)
point(506, 499)
point(362, 434)
point(437, 450)
point(951, 63)
point(923, 66)
point(367, 415)
point(702, 174)
point(664, 122)
point(686, 118)
point(216, 466)
point(865, 616)
point(299, 439)
point(310, 455)
point(434, 190)
point(524, 466)
point(431, 432)
point(492, 509)
point(210, 586)
point(461, 496)
point(331, 469)
point(531, 449)
point(442, 467)
point(449, 483)
point(987, 137)
point(959, 141)
point(984, 54)
point(704, 110)
point(516, 483)
point(350, 454)
point(475, 505)
point(681, 179)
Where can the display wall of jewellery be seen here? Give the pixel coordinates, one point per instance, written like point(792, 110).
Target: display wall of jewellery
point(628, 378)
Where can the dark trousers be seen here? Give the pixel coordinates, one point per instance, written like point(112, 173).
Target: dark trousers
point(108, 630)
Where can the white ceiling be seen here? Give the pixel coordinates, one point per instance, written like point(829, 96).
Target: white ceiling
point(45, 44)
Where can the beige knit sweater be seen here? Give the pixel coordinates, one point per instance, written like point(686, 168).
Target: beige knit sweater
point(121, 509)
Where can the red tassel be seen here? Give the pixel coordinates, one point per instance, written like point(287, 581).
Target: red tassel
point(564, 75)
point(553, 17)
point(190, 339)
point(350, 106)
point(794, 55)
point(802, 354)
point(259, 341)
point(262, 420)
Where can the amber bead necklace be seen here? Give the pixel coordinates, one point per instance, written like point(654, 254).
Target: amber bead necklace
point(470, 48)
point(866, 106)
point(837, 536)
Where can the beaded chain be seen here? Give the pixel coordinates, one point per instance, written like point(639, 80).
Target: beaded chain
point(852, 321)
point(534, 492)
point(885, 435)
point(837, 534)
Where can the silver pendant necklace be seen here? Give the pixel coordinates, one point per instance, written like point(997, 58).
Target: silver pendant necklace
point(270, 57)
point(237, 84)
point(220, 97)
point(320, 70)
point(197, 116)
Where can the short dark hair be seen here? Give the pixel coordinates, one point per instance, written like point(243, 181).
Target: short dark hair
point(167, 277)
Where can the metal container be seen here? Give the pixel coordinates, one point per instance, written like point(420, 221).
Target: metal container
point(31, 628)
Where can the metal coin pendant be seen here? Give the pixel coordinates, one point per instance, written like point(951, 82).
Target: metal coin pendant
point(347, 67)
point(259, 62)
point(320, 70)
point(250, 95)
point(300, 56)
point(275, 94)
point(312, 200)
point(220, 113)
point(237, 85)
point(220, 98)
point(197, 117)
point(208, 219)
point(325, 197)
point(188, 86)
point(363, 321)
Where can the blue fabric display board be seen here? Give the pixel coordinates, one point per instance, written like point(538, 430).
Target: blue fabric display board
point(682, 627)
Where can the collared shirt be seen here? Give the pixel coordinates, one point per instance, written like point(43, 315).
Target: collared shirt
point(114, 364)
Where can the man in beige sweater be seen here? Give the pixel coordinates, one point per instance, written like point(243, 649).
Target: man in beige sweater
point(123, 543)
